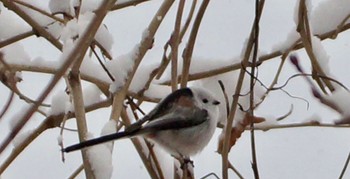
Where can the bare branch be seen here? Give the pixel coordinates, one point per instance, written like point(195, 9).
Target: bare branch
point(16, 38)
point(174, 43)
point(77, 97)
point(127, 4)
point(188, 51)
point(228, 127)
point(345, 166)
point(166, 59)
point(76, 172)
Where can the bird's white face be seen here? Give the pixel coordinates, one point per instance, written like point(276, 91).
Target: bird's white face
point(205, 100)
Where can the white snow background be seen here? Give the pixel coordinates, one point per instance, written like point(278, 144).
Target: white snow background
point(295, 153)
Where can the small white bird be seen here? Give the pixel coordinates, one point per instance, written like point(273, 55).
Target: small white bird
point(182, 123)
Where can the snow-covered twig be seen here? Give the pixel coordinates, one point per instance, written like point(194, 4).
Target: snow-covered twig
point(305, 33)
point(75, 55)
point(317, 94)
point(25, 4)
point(48, 123)
point(262, 58)
point(142, 48)
point(41, 31)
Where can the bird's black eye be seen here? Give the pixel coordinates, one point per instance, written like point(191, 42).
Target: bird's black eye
point(205, 100)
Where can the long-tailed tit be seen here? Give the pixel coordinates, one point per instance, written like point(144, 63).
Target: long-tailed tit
point(182, 123)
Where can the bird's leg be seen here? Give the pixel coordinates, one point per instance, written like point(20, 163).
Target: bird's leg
point(183, 161)
point(187, 161)
point(186, 169)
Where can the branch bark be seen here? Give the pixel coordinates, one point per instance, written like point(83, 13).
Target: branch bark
point(78, 102)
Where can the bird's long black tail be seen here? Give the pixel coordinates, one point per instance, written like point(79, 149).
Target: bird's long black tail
point(99, 140)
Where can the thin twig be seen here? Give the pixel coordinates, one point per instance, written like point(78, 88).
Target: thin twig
point(174, 44)
point(345, 167)
point(235, 170)
point(210, 174)
point(134, 106)
point(252, 82)
point(280, 118)
point(76, 172)
point(340, 26)
point(153, 157)
point(188, 51)
point(103, 50)
point(166, 59)
point(299, 125)
point(102, 64)
point(7, 105)
point(305, 74)
point(316, 93)
point(222, 86)
point(16, 38)
point(279, 70)
point(39, 11)
point(127, 4)
point(228, 127)
point(61, 135)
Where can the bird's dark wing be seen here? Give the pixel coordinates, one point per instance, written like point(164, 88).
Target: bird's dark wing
point(183, 96)
point(177, 121)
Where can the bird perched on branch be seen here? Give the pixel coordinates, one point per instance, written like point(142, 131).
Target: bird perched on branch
point(182, 123)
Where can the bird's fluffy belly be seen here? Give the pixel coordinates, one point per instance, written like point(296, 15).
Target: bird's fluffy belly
point(184, 142)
